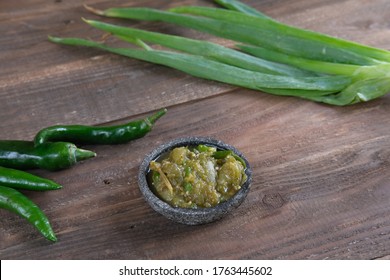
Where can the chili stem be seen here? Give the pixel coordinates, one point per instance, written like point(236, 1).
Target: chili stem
point(153, 118)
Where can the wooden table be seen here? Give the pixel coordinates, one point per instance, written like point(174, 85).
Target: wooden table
point(321, 174)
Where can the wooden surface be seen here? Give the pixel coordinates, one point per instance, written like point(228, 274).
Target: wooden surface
point(321, 174)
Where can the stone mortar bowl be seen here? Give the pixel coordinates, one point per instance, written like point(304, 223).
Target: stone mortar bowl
point(191, 216)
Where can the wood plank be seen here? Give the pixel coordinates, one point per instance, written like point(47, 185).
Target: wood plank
point(321, 174)
point(320, 188)
point(85, 84)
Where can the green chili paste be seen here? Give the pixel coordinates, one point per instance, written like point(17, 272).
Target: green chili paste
point(197, 177)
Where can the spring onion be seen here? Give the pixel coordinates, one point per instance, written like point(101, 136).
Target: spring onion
point(199, 47)
point(240, 7)
point(202, 67)
point(321, 46)
point(231, 25)
point(272, 56)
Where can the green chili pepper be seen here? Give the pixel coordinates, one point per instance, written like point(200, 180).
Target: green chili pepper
point(203, 148)
point(224, 153)
point(50, 156)
point(187, 187)
point(22, 180)
point(187, 171)
point(14, 201)
point(155, 177)
point(105, 135)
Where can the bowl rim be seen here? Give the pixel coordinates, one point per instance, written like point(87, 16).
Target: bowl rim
point(155, 201)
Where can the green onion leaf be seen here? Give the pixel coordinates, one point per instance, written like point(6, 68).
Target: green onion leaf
point(273, 57)
point(240, 7)
point(320, 46)
point(199, 66)
point(198, 47)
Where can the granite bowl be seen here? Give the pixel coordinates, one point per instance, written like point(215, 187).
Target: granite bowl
point(191, 216)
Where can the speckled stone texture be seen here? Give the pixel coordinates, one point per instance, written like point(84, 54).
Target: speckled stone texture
point(184, 215)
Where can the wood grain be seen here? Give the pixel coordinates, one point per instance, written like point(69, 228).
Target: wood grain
point(321, 186)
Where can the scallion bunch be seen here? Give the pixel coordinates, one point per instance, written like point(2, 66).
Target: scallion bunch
point(269, 56)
